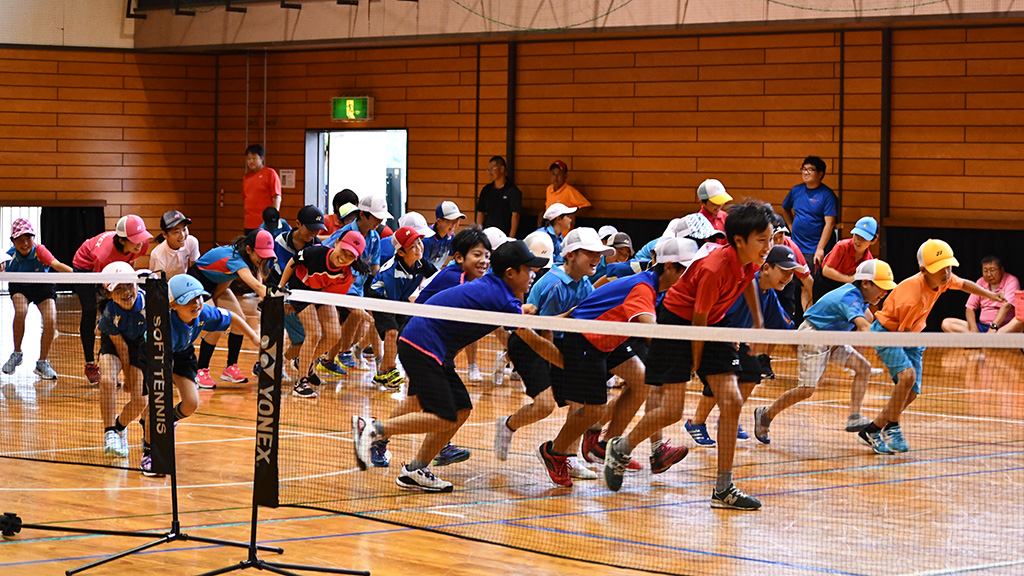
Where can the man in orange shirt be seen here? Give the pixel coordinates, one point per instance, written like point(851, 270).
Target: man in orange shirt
point(261, 188)
point(560, 191)
point(906, 310)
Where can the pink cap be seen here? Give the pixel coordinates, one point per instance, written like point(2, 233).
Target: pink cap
point(406, 236)
point(133, 228)
point(353, 242)
point(264, 247)
point(20, 227)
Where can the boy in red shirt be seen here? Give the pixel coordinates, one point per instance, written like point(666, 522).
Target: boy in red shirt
point(841, 263)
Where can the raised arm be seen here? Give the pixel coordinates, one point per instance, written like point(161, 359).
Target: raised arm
point(972, 288)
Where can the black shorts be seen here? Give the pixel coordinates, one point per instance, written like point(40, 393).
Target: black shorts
point(585, 375)
point(185, 364)
point(671, 361)
point(750, 370)
point(535, 370)
point(343, 314)
point(385, 322)
point(34, 293)
point(437, 387)
point(137, 354)
point(208, 285)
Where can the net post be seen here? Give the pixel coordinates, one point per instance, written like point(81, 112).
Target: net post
point(268, 404)
point(158, 379)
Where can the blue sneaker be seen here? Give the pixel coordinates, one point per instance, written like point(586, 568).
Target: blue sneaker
point(380, 456)
point(699, 432)
point(13, 362)
point(741, 434)
point(451, 454)
point(875, 440)
point(893, 436)
point(331, 367)
point(345, 359)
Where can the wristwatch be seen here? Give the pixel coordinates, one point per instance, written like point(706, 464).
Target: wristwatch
point(993, 326)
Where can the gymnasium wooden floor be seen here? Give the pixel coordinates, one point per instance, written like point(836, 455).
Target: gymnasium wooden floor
point(950, 506)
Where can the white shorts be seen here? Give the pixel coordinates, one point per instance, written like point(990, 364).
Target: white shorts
point(814, 358)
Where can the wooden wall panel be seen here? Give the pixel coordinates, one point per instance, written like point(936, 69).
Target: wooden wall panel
point(93, 127)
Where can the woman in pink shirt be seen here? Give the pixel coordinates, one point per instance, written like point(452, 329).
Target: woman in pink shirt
point(125, 243)
point(983, 314)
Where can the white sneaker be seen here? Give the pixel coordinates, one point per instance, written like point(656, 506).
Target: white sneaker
point(112, 445)
point(502, 437)
point(877, 372)
point(123, 437)
point(364, 434)
point(500, 361)
point(474, 374)
point(422, 479)
point(578, 470)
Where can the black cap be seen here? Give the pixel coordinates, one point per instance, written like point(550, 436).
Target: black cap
point(311, 217)
point(783, 257)
point(513, 254)
point(172, 218)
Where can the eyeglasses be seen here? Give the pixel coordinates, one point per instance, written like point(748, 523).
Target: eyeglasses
point(808, 169)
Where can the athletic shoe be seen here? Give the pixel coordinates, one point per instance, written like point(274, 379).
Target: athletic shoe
point(473, 374)
point(615, 463)
point(313, 379)
point(147, 467)
point(345, 359)
point(92, 372)
point(557, 466)
point(875, 440)
point(502, 437)
point(392, 379)
point(699, 432)
point(233, 374)
point(597, 456)
point(14, 361)
point(304, 390)
point(330, 367)
point(856, 423)
point(732, 498)
point(893, 437)
point(761, 425)
point(364, 434)
point(665, 455)
point(500, 361)
point(123, 437)
point(295, 363)
point(256, 369)
point(423, 480)
point(578, 470)
point(590, 440)
point(741, 434)
point(766, 366)
point(112, 444)
point(451, 454)
point(514, 376)
point(203, 380)
point(877, 372)
point(380, 456)
point(44, 371)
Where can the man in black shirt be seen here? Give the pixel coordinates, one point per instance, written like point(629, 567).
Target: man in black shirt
point(500, 201)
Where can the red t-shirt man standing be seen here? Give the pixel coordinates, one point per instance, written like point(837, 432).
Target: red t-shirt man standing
point(261, 188)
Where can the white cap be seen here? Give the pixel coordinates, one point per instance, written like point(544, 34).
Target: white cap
point(585, 239)
point(558, 209)
point(540, 244)
point(448, 210)
point(376, 205)
point(713, 191)
point(606, 231)
point(679, 250)
point(496, 237)
point(676, 228)
point(700, 228)
point(117, 268)
point(417, 222)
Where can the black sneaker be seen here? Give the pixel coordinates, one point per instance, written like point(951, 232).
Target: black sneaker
point(304, 390)
point(733, 499)
point(422, 479)
point(766, 366)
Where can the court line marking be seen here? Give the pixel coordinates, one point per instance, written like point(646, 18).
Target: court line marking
point(976, 568)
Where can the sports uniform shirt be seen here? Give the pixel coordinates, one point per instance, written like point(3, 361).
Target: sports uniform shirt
point(370, 255)
point(210, 319)
point(805, 271)
point(258, 191)
point(39, 260)
point(442, 339)
point(450, 275)
point(623, 269)
point(618, 301)
point(436, 249)
point(282, 227)
point(843, 257)
point(556, 240)
point(772, 313)
point(332, 223)
point(567, 195)
point(396, 280)
point(556, 292)
point(130, 324)
point(174, 262)
point(221, 264)
point(907, 307)
point(95, 253)
point(1008, 287)
point(838, 309)
point(314, 271)
point(710, 286)
point(284, 250)
point(717, 221)
point(644, 253)
point(499, 205)
point(810, 206)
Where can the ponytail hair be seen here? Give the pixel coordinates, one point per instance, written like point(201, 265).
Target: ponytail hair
point(240, 243)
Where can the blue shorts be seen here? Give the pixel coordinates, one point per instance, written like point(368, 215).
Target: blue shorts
point(292, 324)
point(898, 359)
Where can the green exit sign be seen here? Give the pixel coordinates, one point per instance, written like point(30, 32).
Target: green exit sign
point(352, 109)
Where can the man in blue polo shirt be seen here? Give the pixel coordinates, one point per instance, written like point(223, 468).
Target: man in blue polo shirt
point(810, 211)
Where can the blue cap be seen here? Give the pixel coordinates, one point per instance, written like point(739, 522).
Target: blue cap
point(185, 288)
point(866, 228)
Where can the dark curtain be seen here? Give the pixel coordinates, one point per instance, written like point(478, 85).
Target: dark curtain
point(64, 229)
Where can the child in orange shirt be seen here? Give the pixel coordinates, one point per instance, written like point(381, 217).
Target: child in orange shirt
point(906, 310)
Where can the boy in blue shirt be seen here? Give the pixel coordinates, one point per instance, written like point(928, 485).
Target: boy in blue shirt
point(842, 309)
point(438, 248)
point(273, 223)
point(810, 211)
point(427, 349)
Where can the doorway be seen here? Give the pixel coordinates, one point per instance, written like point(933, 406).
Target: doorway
point(368, 162)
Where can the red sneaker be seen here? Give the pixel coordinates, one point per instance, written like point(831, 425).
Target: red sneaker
point(557, 466)
point(664, 456)
point(590, 440)
point(203, 380)
point(597, 455)
point(92, 372)
point(233, 374)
